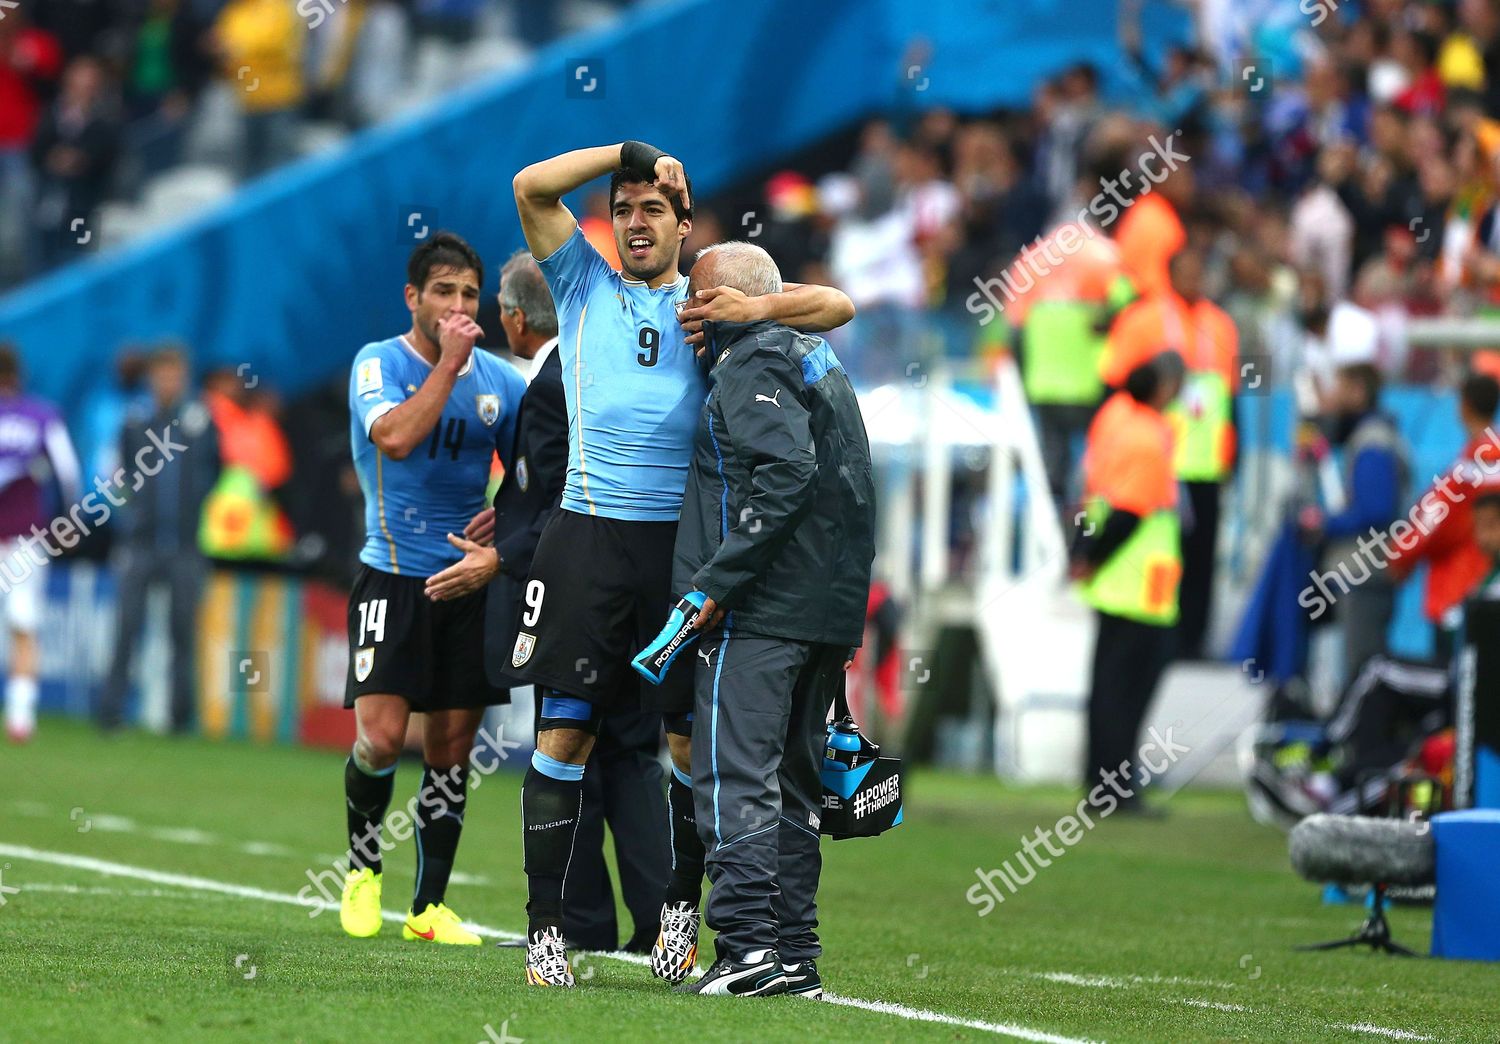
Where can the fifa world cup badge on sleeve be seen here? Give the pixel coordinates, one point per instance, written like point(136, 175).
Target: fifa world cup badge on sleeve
point(861, 790)
point(369, 376)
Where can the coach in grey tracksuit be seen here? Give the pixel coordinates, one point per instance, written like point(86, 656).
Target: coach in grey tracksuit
point(777, 529)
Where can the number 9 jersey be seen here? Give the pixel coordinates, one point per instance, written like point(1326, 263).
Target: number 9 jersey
point(632, 384)
point(412, 504)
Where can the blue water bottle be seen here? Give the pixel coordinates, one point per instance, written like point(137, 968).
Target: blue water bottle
point(676, 635)
point(844, 744)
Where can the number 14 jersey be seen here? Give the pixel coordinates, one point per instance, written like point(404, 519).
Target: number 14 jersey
point(412, 504)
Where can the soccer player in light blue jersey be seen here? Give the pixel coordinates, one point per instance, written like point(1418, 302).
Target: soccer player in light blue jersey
point(427, 414)
point(600, 579)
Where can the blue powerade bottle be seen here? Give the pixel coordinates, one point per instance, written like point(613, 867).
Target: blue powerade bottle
point(845, 746)
point(677, 634)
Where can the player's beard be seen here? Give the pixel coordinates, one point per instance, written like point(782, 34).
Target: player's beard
point(651, 268)
point(431, 332)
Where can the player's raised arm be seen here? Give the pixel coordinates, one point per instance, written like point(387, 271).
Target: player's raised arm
point(401, 430)
point(539, 188)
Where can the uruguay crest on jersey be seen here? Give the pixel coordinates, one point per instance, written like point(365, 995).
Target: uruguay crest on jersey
point(364, 659)
point(489, 408)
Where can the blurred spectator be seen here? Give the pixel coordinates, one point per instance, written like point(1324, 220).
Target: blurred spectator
point(170, 451)
point(788, 227)
point(322, 498)
point(1150, 230)
point(1180, 87)
point(1001, 210)
point(1322, 231)
point(103, 414)
point(242, 521)
point(1375, 477)
point(167, 69)
point(1334, 335)
point(73, 154)
point(260, 44)
point(1443, 517)
point(1066, 112)
point(1204, 438)
point(1127, 560)
point(1060, 317)
point(80, 26)
point(875, 258)
point(30, 60)
point(380, 64)
point(35, 452)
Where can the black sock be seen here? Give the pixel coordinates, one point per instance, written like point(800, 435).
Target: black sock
point(549, 816)
point(366, 797)
point(440, 821)
point(686, 884)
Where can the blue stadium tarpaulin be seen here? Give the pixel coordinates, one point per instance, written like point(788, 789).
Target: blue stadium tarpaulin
point(288, 278)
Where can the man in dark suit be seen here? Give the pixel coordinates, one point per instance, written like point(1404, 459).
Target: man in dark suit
point(623, 784)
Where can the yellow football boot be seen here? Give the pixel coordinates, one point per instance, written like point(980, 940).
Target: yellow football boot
point(359, 907)
point(438, 924)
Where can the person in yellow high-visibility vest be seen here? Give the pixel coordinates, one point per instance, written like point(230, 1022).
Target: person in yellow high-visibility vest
point(1060, 319)
point(1202, 419)
point(1128, 561)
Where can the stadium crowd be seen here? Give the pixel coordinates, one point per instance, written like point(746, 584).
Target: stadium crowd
point(99, 97)
point(1325, 179)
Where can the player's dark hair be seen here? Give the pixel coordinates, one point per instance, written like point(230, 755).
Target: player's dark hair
point(10, 364)
point(1481, 394)
point(442, 250)
point(1488, 500)
point(629, 177)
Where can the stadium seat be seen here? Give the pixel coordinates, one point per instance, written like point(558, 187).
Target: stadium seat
point(120, 223)
point(185, 190)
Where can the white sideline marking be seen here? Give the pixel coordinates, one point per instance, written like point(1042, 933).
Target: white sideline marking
point(182, 835)
point(178, 835)
point(1120, 982)
point(134, 893)
point(918, 1015)
point(1215, 1005)
point(204, 884)
point(1380, 1031)
point(265, 848)
point(1112, 982)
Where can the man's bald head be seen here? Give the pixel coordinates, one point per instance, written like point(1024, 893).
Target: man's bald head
point(744, 266)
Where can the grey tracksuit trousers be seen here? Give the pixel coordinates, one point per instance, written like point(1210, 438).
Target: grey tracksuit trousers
point(759, 728)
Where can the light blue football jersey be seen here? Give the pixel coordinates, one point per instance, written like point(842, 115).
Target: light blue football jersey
point(632, 384)
point(412, 504)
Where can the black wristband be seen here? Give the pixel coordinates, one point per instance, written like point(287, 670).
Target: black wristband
point(640, 158)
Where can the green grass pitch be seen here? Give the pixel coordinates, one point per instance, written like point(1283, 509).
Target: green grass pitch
point(1178, 930)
